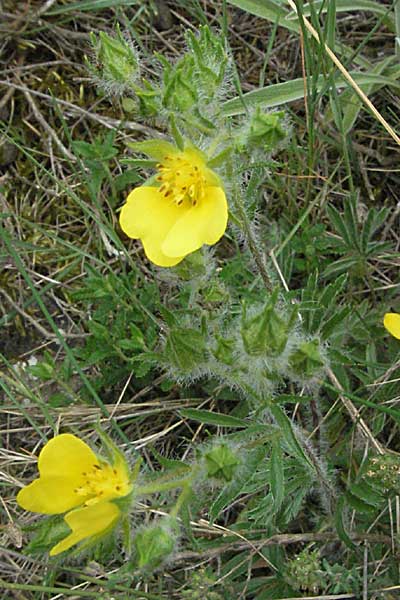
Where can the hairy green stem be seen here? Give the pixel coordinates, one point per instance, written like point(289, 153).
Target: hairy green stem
point(247, 230)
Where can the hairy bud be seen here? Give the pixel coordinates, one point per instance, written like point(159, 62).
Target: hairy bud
point(117, 63)
point(307, 360)
point(221, 462)
point(266, 332)
point(153, 544)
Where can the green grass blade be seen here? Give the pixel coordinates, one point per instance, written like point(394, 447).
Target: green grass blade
point(90, 5)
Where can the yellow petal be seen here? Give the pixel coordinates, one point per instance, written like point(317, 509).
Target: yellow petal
point(51, 496)
point(204, 223)
point(62, 464)
point(145, 210)
point(66, 455)
point(392, 323)
point(148, 215)
point(87, 522)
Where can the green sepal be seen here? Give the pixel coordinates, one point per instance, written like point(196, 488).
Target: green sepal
point(157, 149)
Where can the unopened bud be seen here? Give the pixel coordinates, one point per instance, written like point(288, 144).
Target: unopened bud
point(153, 544)
point(116, 59)
point(306, 360)
point(221, 462)
point(224, 351)
point(265, 333)
point(264, 131)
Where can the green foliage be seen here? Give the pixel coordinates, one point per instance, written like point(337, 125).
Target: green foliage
point(354, 240)
point(122, 330)
point(243, 368)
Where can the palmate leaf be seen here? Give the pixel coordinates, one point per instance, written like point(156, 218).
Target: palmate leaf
point(320, 311)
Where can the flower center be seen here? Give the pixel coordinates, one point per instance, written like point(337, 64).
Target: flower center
point(102, 482)
point(182, 180)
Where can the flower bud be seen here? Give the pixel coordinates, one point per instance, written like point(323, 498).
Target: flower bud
point(221, 462)
point(265, 333)
point(307, 360)
point(117, 62)
point(224, 350)
point(264, 131)
point(153, 544)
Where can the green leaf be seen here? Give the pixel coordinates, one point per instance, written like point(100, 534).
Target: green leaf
point(321, 7)
point(352, 103)
point(287, 431)
point(277, 475)
point(358, 504)
point(365, 492)
point(210, 418)
point(128, 177)
point(48, 532)
point(267, 9)
point(289, 91)
point(340, 527)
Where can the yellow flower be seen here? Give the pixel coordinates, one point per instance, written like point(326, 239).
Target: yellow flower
point(391, 322)
point(187, 209)
point(72, 478)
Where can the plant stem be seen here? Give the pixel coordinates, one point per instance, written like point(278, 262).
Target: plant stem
point(247, 229)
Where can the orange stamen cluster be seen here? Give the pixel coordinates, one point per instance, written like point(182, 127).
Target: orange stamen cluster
point(181, 180)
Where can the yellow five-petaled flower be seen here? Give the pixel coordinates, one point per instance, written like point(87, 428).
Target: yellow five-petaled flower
point(72, 478)
point(184, 208)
